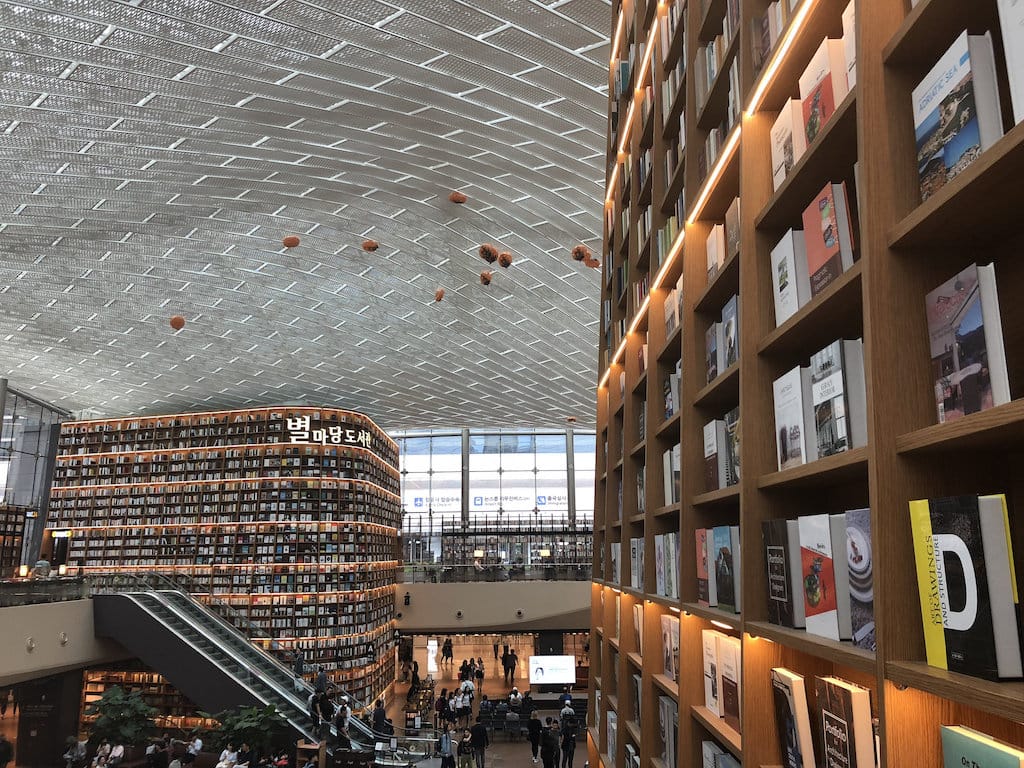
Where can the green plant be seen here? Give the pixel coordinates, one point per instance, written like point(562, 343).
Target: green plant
point(121, 717)
point(260, 727)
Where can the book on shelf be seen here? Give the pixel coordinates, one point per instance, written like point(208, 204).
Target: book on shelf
point(637, 682)
point(615, 562)
point(792, 719)
point(828, 237)
point(782, 559)
point(818, 579)
point(671, 465)
point(642, 357)
point(791, 284)
point(714, 358)
point(968, 592)
point(641, 421)
point(612, 731)
point(725, 760)
point(670, 646)
point(730, 331)
point(730, 652)
point(956, 112)
point(671, 309)
point(636, 563)
point(707, 593)
point(726, 556)
point(1011, 24)
point(788, 141)
point(708, 751)
point(668, 725)
point(632, 756)
point(641, 490)
point(715, 455)
point(638, 627)
point(966, 340)
point(732, 228)
point(732, 447)
point(860, 577)
point(618, 628)
point(823, 87)
point(962, 746)
point(715, 251)
point(847, 735)
point(850, 43)
point(711, 639)
point(791, 394)
point(659, 564)
point(767, 29)
point(838, 398)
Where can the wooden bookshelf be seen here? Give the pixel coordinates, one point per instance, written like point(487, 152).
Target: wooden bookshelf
point(12, 533)
point(703, 158)
point(284, 520)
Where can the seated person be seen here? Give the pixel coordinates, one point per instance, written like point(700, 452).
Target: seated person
point(245, 756)
point(515, 700)
point(228, 757)
point(116, 755)
point(486, 705)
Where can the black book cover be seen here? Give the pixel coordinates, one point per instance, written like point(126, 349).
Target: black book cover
point(777, 560)
point(785, 725)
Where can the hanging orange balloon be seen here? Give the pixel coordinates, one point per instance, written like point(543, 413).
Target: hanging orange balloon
point(581, 252)
point(370, 245)
point(177, 322)
point(457, 197)
point(505, 259)
point(592, 263)
point(439, 294)
point(290, 241)
point(485, 277)
point(488, 253)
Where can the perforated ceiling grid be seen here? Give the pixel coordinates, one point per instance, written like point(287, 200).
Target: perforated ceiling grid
point(155, 152)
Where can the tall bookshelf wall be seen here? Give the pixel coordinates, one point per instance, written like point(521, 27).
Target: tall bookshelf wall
point(904, 249)
point(12, 533)
point(287, 528)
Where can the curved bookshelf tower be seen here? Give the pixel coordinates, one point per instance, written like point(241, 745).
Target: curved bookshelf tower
point(284, 519)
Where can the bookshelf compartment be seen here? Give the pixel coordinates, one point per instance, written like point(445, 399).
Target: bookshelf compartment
point(730, 620)
point(725, 284)
point(726, 735)
point(990, 430)
point(722, 498)
point(723, 391)
point(849, 465)
point(930, 28)
point(843, 653)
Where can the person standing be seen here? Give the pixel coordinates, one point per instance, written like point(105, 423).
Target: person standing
point(533, 730)
point(446, 748)
point(320, 686)
point(505, 660)
point(478, 734)
point(496, 641)
point(6, 749)
point(513, 664)
point(549, 744)
point(568, 740)
point(299, 666)
point(3, 704)
point(380, 717)
point(465, 749)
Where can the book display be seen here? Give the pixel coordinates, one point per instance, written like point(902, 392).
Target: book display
point(283, 519)
point(12, 532)
point(805, 377)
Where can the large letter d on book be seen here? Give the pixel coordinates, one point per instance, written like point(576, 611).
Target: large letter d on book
point(948, 545)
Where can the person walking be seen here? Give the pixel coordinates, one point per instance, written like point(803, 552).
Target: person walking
point(496, 642)
point(478, 734)
point(320, 685)
point(568, 740)
point(380, 717)
point(446, 748)
point(3, 704)
point(465, 749)
point(549, 744)
point(299, 666)
point(513, 664)
point(505, 660)
point(533, 729)
point(6, 749)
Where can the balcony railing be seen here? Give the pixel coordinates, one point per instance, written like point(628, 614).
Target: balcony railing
point(443, 574)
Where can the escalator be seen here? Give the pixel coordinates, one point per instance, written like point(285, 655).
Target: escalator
point(212, 663)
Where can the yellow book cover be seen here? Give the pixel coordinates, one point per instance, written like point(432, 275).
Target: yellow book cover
point(928, 583)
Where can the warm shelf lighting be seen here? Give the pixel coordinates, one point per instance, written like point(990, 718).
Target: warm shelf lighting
point(23, 571)
point(640, 314)
point(716, 173)
point(545, 553)
point(675, 610)
point(478, 553)
point(673, 253)
point(231, 480)
point(722, 625)
point(757, 97)
point(620, 27)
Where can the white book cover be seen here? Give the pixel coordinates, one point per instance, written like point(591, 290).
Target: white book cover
point(670, 645)
point(737, 562)
point(672, 564)
point(817, 576)
point(715, 249)
point(792, 718)
point(837, 527)
point(712, 670)
point(659, 563)
point(956, 111)
point(790, 282)
point(615, 572)
point(789, 419)
point(708, 750)
point(850, 43)
point(1002, 592)
point(823, 87)
point(1011, 24)
point(638, 626)
point(787, 141)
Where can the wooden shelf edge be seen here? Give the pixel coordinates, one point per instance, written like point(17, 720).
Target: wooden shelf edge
point(636, 658)
point(668, 424)
point(667, 684)
point(985, 429)
point(728, 736)
point(712, 294)
point(716, 390)
point(1004, 699)
point(634, 730)
point(673, 339)
point(722, 496)
point(823, 471)
point(666, 511)
point(667, 602)
point(843, 653)
point(733, 620)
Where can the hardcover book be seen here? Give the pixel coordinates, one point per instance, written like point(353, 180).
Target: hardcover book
point(956, 112)
point(850, 43)
point(612, 720)
point(966, 747)
point(730, 331)
point(732, 446)
point(710, 640)
point(715, 250)
point(785, 591)
point(670, 645)
point(790, 282)
point(668, 722)
point(712, 355)
point(637, 697)
point(861, 571)
point(823, 87)
point(1011, 24)
point(708, 751)
point(818, 580)
point(659, 563)
point(839, 398)
point(703, 569)
point(723, 565)
point(671, 464)
point(616, 562)
point(837, 529)
point(792, 719)
point(966, 337)
point(672, 542)
point(828, 237)
point(969, 603)
point(732, 228)
point(844, 712)
point(715, 455)
point(729, 654)
point(788, 141)
point(788, 392)
point(638, 626)
point(737, 568)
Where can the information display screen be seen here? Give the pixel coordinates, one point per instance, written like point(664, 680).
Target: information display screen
point(552, 670)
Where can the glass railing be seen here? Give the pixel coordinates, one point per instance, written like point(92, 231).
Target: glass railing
point(32, 591)
point(434, 573)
